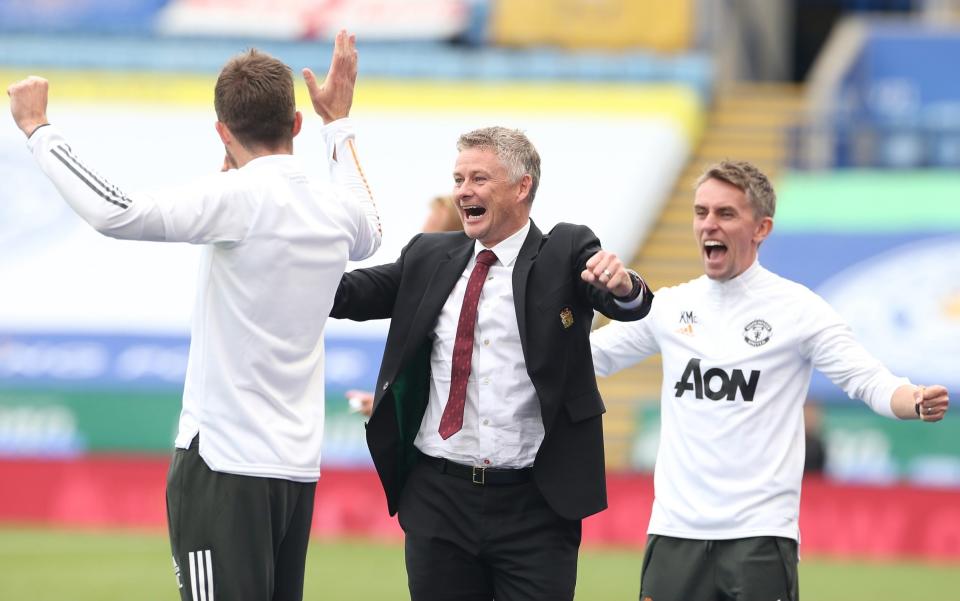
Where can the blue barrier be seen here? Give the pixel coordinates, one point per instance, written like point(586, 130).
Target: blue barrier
point(128, 16)
point(419, 60)
point(86, 361)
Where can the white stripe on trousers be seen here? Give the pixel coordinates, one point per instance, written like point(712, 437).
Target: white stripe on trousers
point(193, 575)
point(201, 575)
point(209, 575)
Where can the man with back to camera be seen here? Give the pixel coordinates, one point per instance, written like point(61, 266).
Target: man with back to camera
point(241, 485)
point(486, 427)
point(739, 345)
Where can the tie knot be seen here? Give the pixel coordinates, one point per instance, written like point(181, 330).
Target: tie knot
point(486, 257)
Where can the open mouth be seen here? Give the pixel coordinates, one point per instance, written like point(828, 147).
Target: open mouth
point(473, 212)
point(714, 249)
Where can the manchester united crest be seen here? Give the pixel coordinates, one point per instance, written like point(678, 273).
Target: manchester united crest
point(757, 332)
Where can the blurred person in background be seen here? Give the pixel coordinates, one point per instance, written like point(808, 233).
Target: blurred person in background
point(814, 448)
point(739, 345)
point(443, 217)
point(486, 429)
point(241, 485)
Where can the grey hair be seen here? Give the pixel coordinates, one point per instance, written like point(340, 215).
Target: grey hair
point(512, 147)
point(748, 178)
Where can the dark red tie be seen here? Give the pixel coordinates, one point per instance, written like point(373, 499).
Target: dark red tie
point(452, 419)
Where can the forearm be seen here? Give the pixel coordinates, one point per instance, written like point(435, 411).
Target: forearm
point(903, 402)
point(619, 345)
point(834, 351)
point(368, 293)
point(347, 172)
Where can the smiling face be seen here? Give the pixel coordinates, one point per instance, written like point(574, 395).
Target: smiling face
point(727, 229)
point(492, 206)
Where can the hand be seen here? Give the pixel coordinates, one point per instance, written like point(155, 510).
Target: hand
point(361, 402)
point(606, 272)
point(933, 400)
point(228, 163)
point(334, 98)
point(28, 103)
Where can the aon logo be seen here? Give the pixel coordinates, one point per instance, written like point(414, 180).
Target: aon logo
point(717, 384)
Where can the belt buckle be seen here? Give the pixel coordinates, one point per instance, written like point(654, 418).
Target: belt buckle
point(479, 475)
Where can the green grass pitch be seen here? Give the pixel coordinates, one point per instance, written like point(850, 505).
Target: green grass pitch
point(76, 565)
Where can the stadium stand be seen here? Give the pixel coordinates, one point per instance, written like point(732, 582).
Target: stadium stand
point(878, 98)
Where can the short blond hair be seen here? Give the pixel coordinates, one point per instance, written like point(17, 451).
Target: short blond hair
point(748, 178)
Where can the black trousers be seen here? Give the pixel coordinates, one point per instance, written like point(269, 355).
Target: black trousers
point(760, 568)
point(473, 542)
point(236, 538)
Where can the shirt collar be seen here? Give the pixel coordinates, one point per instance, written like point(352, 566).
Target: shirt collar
point(268, 159)
point(744, 281)
point(508, 249)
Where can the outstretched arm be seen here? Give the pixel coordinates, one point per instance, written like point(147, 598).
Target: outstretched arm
point(198, 214)
point(332, 101)
point(834, 351)
point(93, 197)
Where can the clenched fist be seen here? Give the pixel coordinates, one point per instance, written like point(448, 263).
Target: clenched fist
point(28, 103)
point(606, 272)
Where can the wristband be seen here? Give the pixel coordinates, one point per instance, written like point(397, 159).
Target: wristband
point(635, 291)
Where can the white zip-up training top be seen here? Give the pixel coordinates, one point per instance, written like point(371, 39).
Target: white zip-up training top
point(277, 243)
point(737, 360)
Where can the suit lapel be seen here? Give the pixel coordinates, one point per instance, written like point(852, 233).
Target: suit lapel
point(445, 275)
point(521, 271)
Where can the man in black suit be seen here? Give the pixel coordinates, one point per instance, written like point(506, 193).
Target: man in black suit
point(486, 429)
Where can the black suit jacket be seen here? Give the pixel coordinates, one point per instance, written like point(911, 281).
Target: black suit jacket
point(569, 466)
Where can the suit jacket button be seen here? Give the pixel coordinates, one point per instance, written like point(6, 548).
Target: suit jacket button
point(386, 385)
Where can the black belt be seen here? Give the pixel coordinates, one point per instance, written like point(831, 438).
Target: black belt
point(479, 475)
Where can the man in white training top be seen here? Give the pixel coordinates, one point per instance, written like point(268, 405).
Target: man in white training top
point(739, 345)
point(241, 484)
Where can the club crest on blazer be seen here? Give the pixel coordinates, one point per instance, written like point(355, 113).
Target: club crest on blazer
point(566, 317)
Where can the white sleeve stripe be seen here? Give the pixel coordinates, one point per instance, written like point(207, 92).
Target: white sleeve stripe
point(107, 186)
point(363, 177)
point(111, 197)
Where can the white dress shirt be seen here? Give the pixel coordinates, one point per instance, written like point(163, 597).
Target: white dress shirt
point(502, 425)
